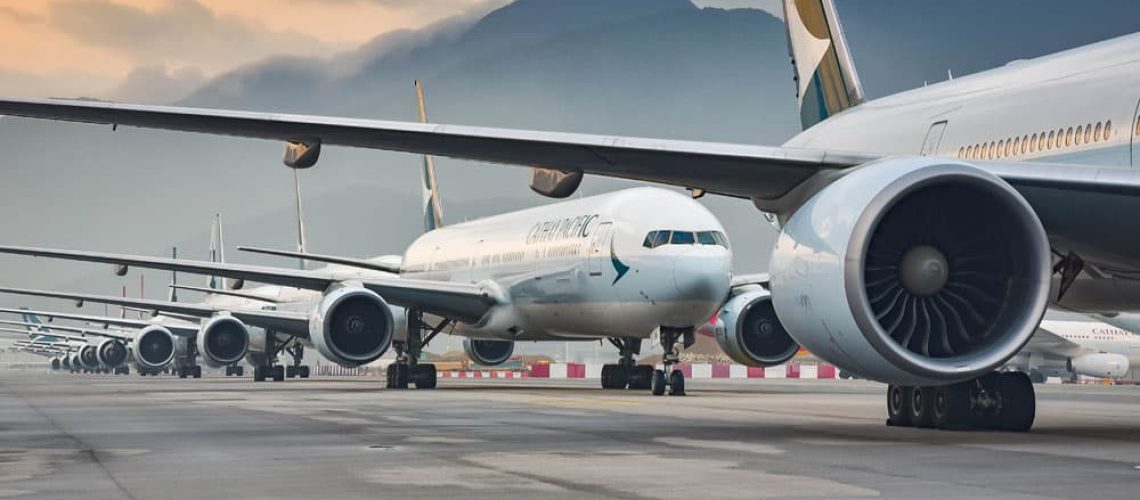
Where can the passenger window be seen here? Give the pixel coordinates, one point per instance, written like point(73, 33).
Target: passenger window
point(682, 238)
point(1069, 137)
point(706, 238)
point(650, 239)
point(1041, 142)
point(1008, 147)
point(1078, 136)
point(1108, 130)
point(997, 151)
point(1096, 133)
point(1088, 133)
point(992, 150)
point(969, 151)
point(1033, 144)
point(1050, 142)
point(1138, 125)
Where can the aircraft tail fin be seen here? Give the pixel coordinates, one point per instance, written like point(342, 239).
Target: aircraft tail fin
point(433, 211)
point(37, 329)
point(826, 81)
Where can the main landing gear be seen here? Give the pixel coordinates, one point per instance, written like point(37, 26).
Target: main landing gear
point(407, 369)
point(235, 370)
point(193, 371)
point(267, 367)
point(998, 401)
point(627, 373)
point(672, 381)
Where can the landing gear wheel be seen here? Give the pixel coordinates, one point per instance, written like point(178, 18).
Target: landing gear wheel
point(302, 371)
point(397, 376)
point(259, 373)
point(424, 376)
point(677, 383)
point(183, 372)
point(229, 371)
point(1037, 377)
point(278, 373)
point(951, 406)
point(1018, 402)
point(290, 371)
point(921, 407)
point(198, 371)
point(641, 377)
point(239, 371)
point(608, 376)
point(657, 385)
point(898, 406)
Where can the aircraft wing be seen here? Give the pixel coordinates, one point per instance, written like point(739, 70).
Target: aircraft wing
point(64, 328)
point(747, 171)
point(1050, 343)
point(180, 330)
point(459, 301)
point(290, 322)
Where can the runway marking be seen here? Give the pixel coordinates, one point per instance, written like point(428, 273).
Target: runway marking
point(442, 440)
point(754, 448)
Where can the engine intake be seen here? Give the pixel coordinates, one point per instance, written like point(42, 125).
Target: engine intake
point(914, 271)
point(749, 332)
point(223, 340)
point(112, 353)
point(352, 326)
point(154, 347)
point(88, 357)
point(488, 352)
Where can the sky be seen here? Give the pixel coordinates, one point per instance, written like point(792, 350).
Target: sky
point(114, 48)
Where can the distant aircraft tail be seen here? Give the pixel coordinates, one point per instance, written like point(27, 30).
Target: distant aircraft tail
point(37, 329)
point(432, 210)
point(826, 81)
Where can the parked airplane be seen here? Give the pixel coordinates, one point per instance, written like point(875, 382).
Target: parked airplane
point(918, 241)
point(1070, 348)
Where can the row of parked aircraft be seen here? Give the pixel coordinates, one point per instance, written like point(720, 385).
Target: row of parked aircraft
point(896, 260)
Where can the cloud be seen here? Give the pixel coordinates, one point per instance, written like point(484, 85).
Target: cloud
point(179, 33)
point(158, 85)
point(20, 16)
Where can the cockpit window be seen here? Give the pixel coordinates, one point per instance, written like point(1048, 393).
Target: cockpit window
point(706, 238)
point(721, 239)
point(656, 238)
point(682, 238)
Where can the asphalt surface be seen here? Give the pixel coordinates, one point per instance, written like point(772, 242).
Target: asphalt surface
point(91, 437)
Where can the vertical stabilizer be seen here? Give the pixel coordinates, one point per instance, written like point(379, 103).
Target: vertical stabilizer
point(301, 246)
point(826, 81)
point(214, 282)
point(433, 211)
point(37, 330)
point(173, 297)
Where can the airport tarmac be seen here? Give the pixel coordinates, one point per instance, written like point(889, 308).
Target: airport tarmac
point(92, 437)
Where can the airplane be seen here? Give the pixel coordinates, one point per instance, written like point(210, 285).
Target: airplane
point(1065, 348)
point(922, 234)
point(621, 266)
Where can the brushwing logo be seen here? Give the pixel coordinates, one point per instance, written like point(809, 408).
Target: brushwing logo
point(619, 266)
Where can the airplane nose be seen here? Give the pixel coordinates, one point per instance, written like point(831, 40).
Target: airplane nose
point(702, 274)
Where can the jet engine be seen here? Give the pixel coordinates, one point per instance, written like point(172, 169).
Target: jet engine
point(112, 353)
point(749, 332)
point(154, 347)
point(56, 363)
point(222, 340)
point(88, 357)
point(913, 271)
point(352, 326)
point(488, 352)
point(1103, 365)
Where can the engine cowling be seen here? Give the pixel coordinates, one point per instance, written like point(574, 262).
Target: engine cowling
point(222, 340)
point(88, 357)
point(112, 353)
point(56, 363)
point(352, 326)
point(913, 271)
point(154, 347)
point(1102, 365)
point(488, 352)
point(749, 332)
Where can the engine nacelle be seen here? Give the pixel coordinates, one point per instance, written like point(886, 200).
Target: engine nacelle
point(352, 325)
point(222, 340)
point(88, 357)
point(1102, 365)
point(112, 353)
point(56, 363)
point(913, 271)
point(749, 332)
point(154, 347)
point(488, 352)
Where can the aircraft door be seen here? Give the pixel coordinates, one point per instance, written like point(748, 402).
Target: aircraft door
point(598, 248)
point(933, 138)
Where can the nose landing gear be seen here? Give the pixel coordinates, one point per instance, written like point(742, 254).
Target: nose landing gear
point(627, 373)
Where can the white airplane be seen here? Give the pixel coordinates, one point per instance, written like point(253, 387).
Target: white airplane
point(922, 235)
point(619, 266)
point(1070, 348)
